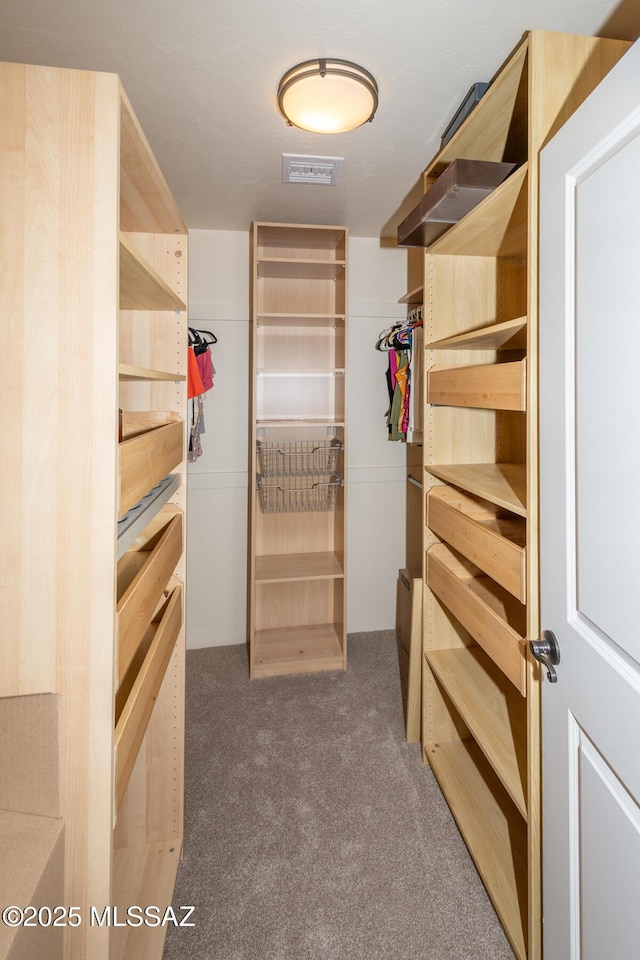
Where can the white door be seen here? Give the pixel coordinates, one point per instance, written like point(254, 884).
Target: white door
point(590, 517)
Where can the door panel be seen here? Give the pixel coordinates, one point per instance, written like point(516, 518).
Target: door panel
point(590, 522)
point(607, 200)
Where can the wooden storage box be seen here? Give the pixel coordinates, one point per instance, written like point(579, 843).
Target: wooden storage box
point(490, 537)
point(143, 574)
point(495, 619)
point(460, 188)
point(493, 386)
point(152, 446)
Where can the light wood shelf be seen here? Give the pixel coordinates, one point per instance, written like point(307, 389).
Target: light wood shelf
point(492, 709)
point(507, 335)
point(146, 203)
point(146, 458)
point(494, 386)
point(297, 650)
point(294, 319)
point(297, 421)
point(298, 566)
point(486, 132)
point(501, 483)
point(493, 830)
point(127, 371)
point(143, 574)
point(497, 227)
point(319, 372)
point(483, 533)
point(495, 619)
point(413, 297)
point(139, 689)
point(141, 287)
point(279, 268)
point(137, 519)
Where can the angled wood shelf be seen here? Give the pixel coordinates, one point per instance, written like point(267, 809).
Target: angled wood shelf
point(298, 566)
point(147, 457)
point(497, 227)
point(487, 134)
point(504, 484)
point(136, 520)
point(492, 539)
point(508, 335)
point(493, 617)
point(127, 371)
point(143, 573)
point(492, 709)
point(493, 830)
point(141, 288)
point(146, 203)
point(494, 386)
point(139, 689)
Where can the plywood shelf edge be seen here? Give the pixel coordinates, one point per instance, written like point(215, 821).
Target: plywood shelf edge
point(141, 288)
point(501, 483)
point(507, 335)
point(492, 709)
point(127, 371)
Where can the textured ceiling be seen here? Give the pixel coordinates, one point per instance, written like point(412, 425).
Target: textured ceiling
point(202, 77)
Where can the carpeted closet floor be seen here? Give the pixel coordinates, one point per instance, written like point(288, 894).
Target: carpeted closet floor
point(312, 830)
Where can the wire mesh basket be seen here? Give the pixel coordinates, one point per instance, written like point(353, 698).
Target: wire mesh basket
point(300, 457)
point(290, 493)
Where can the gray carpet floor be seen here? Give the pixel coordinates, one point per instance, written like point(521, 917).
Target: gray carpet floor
point(312, 830)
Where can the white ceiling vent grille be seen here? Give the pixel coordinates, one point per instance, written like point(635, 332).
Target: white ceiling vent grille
point(325, 170)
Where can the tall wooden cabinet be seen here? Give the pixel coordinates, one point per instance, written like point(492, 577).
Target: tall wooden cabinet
point(297, 594)
point(481, 690)
point(93, 277)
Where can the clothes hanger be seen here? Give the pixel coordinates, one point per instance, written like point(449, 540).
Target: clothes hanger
point(201, 340)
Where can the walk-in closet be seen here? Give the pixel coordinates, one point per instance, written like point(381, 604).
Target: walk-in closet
point(312, 644)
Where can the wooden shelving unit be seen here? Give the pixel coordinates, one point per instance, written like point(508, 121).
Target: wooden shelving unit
point(106, 251)
point(481, 698)
point(297, 620)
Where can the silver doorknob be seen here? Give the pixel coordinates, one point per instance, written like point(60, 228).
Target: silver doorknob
point(546, 651)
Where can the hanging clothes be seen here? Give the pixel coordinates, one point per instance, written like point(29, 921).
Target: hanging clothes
point(200, 380)
point(195, 385)
point(397, 341)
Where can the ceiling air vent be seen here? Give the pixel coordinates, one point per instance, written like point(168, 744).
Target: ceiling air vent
point(324, 170)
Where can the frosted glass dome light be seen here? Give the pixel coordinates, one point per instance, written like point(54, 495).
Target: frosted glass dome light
point(327, 96)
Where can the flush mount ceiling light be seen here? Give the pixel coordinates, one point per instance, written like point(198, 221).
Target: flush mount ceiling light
point(327, 96)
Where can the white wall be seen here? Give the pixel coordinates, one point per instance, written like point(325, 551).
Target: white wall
point(218, 494)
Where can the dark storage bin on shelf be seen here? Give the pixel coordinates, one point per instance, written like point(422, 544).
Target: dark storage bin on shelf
point(460, 188)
